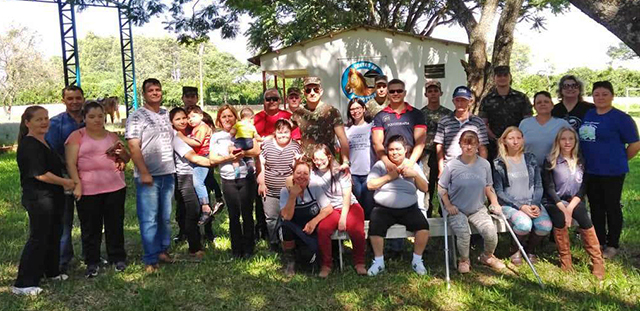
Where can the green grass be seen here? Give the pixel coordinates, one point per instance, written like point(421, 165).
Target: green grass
point(219, 283)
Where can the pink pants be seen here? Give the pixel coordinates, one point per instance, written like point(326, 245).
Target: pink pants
point(355, 228)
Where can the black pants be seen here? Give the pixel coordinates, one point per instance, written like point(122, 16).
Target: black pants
point(212, 185)
point(94, 211)
point(604, 194)
point(41, 255)
point(261, 219)
point(187, 201)
point(580, 214)
point(240, 195)
point(432, 175)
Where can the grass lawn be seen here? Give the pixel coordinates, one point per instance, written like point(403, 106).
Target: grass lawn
point(220, 283)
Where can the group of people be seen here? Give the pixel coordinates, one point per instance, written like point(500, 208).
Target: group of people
point(306, 173)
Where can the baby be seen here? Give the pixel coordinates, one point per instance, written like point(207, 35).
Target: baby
point(243, 132)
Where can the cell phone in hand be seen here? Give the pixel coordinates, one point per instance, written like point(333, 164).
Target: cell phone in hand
point(115, 146)
point(236, 151)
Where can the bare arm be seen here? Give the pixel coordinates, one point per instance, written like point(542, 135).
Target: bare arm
point(483, 152)
point(632, 150)
point(420, 138)
point(448, 206)
point(190, 141)
point(377, 138)
point(71, 157)
point(376, 183)
point(489, 132)
point(51, 178)
point(138, 161)
point(313, 223)
point(344, 142)
point(493, 200)
point(289, 208)
point(194, 158)
point(440, 154)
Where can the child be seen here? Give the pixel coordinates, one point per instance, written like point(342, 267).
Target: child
point(199, 141)
point(244, 133)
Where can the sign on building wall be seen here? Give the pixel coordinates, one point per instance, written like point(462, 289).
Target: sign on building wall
point(357, 80)
point(434, 71)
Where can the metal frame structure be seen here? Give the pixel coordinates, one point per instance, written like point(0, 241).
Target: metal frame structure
point(71, 58)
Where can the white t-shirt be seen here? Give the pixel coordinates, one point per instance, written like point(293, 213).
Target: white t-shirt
point(333, 192)
point(219, 144)
point(156, 136)
point(359, 137)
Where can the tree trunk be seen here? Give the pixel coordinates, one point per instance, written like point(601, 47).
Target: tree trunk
point(621, 17)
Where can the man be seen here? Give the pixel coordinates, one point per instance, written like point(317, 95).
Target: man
point(451, 126)
point(149, 135)
point(381, 100)
point(265, 120)
point(502, 107)
point(294, 100)
point(190, 98)
point(61, 126)
point(432, 112)
point(321, 123)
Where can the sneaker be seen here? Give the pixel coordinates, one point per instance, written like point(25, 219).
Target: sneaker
point(376, 268)
point(419, 268)
point(464, 266)
point(120, 266)
point(217, 208)
point(609, 252)
point(26, 291)
point(491, 261)
point(60, 277)
point(92, 271)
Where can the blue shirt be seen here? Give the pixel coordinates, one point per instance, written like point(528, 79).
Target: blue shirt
point(60, 127)
point(603, 139)
point(402, 124)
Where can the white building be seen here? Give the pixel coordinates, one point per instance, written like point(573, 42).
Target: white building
point(362, 53)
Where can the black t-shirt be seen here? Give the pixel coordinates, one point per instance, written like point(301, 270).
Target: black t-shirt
point(575, 116)
point(35, 159)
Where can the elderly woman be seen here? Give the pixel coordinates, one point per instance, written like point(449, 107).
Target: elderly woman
point(43, 197)
point(396, 202)
point(517, 181)
point(302, 207)
point(609, 139)
point(238, 188)
point(572, 106)
point(464, 186)
point(539, 131)
point(93, 155)
point(565, 185)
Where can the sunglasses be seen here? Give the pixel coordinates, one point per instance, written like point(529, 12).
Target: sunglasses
point(272, 99)
point(570, 86)
point(396, 91)
point(314, 89)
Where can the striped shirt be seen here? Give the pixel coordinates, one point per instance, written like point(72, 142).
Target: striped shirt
point(278, 164)
point(449, 130)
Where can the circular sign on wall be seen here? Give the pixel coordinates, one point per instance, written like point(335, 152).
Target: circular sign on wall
point(357, 80)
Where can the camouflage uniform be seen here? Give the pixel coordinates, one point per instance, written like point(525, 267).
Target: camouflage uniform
point(373, 107)
point(429, 158)
point(504, 111)
point(317, 126)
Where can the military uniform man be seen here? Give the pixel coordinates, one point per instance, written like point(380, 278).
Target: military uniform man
point(380, 101)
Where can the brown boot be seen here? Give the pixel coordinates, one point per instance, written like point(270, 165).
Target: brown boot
point(564, 247)
point(592, 246)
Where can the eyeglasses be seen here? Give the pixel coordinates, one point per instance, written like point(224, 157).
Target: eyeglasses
point(356, 108)
point(314, 89)
point(271, 99)
point(570, 86)
point(396, 91)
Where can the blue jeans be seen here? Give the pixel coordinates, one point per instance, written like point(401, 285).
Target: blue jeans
point(153, 204)
point(362, 193)
point(199, 176)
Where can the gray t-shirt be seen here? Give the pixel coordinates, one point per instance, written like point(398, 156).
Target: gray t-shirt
point(465, 183)
point(311, 190)
point(518, 175)
point(156, 135)
point(180, 148)
point(334, 193)
point(539, 138)
point(398, 193)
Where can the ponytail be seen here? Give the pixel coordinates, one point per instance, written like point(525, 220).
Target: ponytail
point(26, 116)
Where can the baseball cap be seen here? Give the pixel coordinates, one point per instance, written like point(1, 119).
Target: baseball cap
point(189, 90)
point(312, 80)
point(293, 90)
point(381, 79)
point(435, 83)
point(463, 91)
point(501, 70)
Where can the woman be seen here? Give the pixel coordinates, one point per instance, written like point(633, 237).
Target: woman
point(518, 185)
point(359, 136)
point(92, 155)
point(572, 106)
point(276, 160)
point(396, 202)
point(565, 185)
point(609, 139)
point(538, 132)
point(464, 186)
point(239, 190)
point(302, 207)
point(43, 198)
point(347, 214)
point(186, 197)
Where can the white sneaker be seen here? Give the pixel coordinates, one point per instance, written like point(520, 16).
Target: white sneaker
point(375, 268)
point(60, 277)
point(419, 268)
point(26, 291)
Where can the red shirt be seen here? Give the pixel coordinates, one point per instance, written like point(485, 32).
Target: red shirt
point(201, 133)
point(266, 124)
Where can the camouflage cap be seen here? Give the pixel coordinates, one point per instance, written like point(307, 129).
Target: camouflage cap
point(293, 90)
point(312, 80)
point(501, 70)
point(435, 83)
point(381, 79)
point(189, 90)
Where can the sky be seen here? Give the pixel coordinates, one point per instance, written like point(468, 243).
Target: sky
point(570, 40)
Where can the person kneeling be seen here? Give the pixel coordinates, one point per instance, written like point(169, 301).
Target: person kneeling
point(463, 187)
point(396, 202)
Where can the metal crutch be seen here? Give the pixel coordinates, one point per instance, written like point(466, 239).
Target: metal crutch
point(524, 254)
point(446, 249)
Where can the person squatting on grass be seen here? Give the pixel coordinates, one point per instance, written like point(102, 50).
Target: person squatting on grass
point(464, 186)
point(43, 197)
point(565, 184)
point(518, 185)
point(95, 161)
